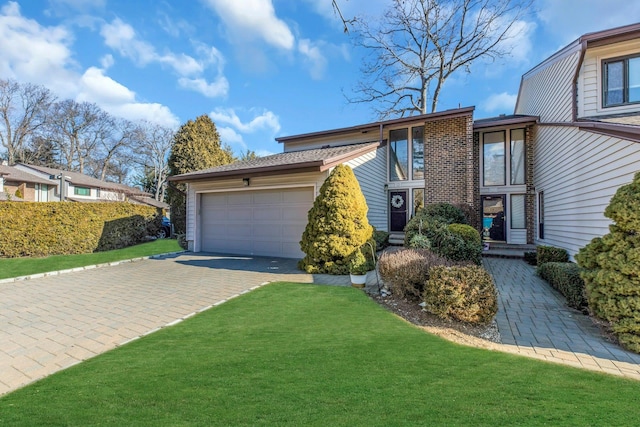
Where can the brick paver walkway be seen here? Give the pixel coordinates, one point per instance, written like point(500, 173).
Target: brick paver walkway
point(53, 322)
point(534, 321)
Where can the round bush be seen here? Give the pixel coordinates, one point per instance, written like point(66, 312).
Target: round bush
point(466, 293)
point(445, 212)
point(467, 232)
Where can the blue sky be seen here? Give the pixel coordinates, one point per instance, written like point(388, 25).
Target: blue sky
point(259, 68)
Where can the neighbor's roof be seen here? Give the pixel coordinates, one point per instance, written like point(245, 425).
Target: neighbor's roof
point(79, 179)
point(12, 174)
point(504, 120)
point(317, 160)
point(149, 201)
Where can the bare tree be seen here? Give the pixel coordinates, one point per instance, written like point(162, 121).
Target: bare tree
point(23, 111)
point(77, 129)
point(153, 145)
point(418, 44)
point(120, 138)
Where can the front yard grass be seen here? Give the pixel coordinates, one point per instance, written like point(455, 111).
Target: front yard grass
point(14, 267)
point(315, 355)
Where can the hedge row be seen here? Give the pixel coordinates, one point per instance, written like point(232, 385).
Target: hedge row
point(565, 278)
point(54, 228)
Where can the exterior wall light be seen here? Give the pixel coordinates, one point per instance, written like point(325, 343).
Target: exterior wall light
point(245, 181)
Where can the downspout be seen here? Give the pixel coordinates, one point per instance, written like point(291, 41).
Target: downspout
point(574, 85)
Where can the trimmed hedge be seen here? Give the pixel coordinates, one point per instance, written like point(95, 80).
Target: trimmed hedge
point(565, 278)
point(551, 254)
point(531, 258)
point(40, 229)
point(466, 293)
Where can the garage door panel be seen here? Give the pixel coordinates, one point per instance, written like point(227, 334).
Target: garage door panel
point(255, 222)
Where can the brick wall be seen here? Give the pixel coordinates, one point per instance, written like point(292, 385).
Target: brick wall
point(530, 198)
point(452, 163)
point(28, 190)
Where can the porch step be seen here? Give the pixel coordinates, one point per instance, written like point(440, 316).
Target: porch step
point(396, 239)
point(505, 250)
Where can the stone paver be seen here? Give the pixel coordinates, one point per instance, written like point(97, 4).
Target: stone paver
point(534, 321)
point(52, 322)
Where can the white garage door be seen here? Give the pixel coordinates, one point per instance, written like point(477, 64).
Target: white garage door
point(261, 222)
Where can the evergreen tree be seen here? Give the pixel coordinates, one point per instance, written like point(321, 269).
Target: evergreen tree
point(196, 146)
point(612, 267)
point(338, 225)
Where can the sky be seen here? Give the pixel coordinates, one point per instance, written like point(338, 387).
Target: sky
point(259, 68)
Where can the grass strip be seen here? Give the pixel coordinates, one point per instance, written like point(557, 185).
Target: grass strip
point(15, 267)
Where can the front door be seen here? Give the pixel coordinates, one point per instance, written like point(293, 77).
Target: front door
point(398, 209)
point(493, 218)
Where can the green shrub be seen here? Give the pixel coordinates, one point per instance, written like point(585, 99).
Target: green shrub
point(381, 238)
point(54, 228)
point(423, 224)
point(551, 254)
point(359, 264)
point(612, 267)
point(445, 212)
point(406, 270)
point(337, 226)
point(467, 232)
point(467, 294)
point(565, 278)
point(420, 241)
point(531, 258)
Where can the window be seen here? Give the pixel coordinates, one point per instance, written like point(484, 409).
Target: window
point(398, 155)
point(518, 157)
point(81, 191)
point(494, 158)
point(621, 81)
point(418, 199)
point(417, 144)
point(518, 217)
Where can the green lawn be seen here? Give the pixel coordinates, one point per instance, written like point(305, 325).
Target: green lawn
point(314, 355)
point(14, 267)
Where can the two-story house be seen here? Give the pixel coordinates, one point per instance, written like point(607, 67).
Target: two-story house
point(542, 175)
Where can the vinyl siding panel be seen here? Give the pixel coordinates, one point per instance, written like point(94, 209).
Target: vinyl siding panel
point(579, 172)
point(313, 179)
point(332, 140)
point(548, 92)
point(371, 170)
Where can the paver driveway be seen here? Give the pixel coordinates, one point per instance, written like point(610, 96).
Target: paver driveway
point(51, 323)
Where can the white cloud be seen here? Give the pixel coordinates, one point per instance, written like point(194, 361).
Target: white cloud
point(121, 37)
point(30, 52)
point(266, 121)
point(231, 137)
point(118, 100)
point(503, 102)
point(519, 40)
point(253, 19)
point(569, 19)
point(315, 60)
point(218, 88)
point(107, 61)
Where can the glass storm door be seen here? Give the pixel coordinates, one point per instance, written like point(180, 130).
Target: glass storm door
point(398, 210)
point(493, 224)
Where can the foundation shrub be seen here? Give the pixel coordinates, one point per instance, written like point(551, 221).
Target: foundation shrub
point(457, 242)
point(467, 232)
point(551, 254)
point(337, 225)
point(38, 229)
point(464, 293)
point(381, 238)
point(531, 258)
point(612, 267)
point(445, 212)
point(565, 278)
point(406, 270)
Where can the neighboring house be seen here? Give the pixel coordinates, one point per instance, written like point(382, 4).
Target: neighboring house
point(542, 175)
point(44, 184)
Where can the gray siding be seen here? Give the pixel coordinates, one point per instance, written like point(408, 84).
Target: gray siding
point(579, 172)
point(547, 92)
point(371, 171)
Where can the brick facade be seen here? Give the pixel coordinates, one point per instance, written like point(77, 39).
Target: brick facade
point(452, 164)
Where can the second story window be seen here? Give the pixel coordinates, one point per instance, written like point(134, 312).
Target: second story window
point(81, 191)
point(621, 81)
point(398, 155)
point(494, 159)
